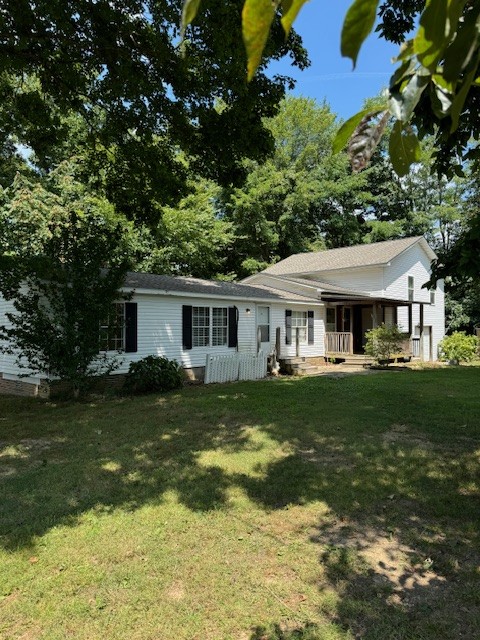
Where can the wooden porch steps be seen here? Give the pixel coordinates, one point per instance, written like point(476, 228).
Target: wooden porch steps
point(300, 366)
point(344, 359)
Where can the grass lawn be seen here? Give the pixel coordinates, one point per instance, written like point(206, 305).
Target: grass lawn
point(319, 508)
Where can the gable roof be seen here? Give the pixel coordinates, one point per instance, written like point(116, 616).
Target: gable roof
point(362, 255)
point(318, 285)
point(180, 285)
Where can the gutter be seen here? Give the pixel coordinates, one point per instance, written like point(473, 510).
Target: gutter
point(216, 296)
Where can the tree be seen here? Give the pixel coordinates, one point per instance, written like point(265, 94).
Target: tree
point(434, 90)
point(192, 239)
point(116, 65)
point(299, 199)
point(64, 256)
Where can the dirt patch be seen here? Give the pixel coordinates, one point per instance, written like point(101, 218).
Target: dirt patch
point(383, 561)
point(176, 591)
point(401, 433)
point(327, 458)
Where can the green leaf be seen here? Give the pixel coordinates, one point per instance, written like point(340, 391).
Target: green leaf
point(404, 149)
point(346, 130)
point(290, 9)
point(440, 98)
point(406, 51)
point(459, 100)
point(357, 25)
point(461, 50)
point(438, 23)
point(405, 69)
point(402, 103)
point(257, 17)
point(189, 11)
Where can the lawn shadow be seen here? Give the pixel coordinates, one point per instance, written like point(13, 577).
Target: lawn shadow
point(401, 536)
point(59, 461)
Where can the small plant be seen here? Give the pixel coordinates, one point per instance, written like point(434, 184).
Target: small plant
point(152, 374)
point(458, 347)
point(383, 342)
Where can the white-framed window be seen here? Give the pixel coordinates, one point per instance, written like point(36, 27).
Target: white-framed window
point(411, 288)
point(299, 321)
point(331, 323)
point(209, 326)
point(112, 329)
point(263, 323)
point(201, 326)
point(219, 326)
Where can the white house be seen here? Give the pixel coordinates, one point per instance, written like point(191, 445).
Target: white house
point(363, 286)
point(311, 305)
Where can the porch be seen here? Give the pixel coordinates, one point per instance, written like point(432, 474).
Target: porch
point(340, 344)
point(347, 324)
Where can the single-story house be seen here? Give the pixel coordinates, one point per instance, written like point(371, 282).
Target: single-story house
point(311, 305)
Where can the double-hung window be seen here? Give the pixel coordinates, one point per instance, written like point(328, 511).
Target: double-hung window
point(201, 326)
point(331, 319)
point(411, 287)
point(112, 329)
point(299, 321)
point(219, 326)
point(209, 326)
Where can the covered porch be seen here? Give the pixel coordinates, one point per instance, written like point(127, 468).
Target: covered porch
point(347, 322)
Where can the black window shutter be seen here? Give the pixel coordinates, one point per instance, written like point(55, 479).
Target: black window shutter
point(232, 326)
point(311, 336)
point(288, 326)
point(131, 327)
point(187, 326)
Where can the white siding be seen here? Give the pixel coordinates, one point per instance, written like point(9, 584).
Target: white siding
point(415, 262)
point(8, 364)
point(160, 330)
point(289, 350)
point(284, 285)
point(359, 279)
point(412, 262)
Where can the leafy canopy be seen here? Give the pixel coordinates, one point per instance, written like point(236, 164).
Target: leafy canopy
point(64, 256)
point(116, 65)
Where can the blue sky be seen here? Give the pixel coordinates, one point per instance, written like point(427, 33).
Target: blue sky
point(330, 76)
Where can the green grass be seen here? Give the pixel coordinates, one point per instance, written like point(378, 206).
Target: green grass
point(312, 509)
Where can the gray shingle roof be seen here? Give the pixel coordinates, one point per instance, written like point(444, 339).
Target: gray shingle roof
point(183, 285)
point(361, 255)
point(324, 286)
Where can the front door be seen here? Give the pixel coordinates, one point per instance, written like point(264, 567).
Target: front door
point(263, 329)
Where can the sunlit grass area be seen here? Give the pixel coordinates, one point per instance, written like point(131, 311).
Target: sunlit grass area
point(319, 509)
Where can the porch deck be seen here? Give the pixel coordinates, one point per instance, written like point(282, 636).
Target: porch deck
point(339, 344)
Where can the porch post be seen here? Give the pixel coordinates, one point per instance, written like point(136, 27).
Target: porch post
point(277, 342)
point(376, 314)
point(421, 330)
point(410, 321)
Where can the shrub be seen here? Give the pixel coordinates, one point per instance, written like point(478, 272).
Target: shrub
point(383, 342)
point(458, 347)
point(153, 374)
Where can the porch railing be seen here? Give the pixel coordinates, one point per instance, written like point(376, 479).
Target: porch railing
point(415, 347)
point(338, 342)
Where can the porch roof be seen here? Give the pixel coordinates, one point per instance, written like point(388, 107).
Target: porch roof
point(334, 298)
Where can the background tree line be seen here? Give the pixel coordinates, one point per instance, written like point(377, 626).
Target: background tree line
point(300, 198)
